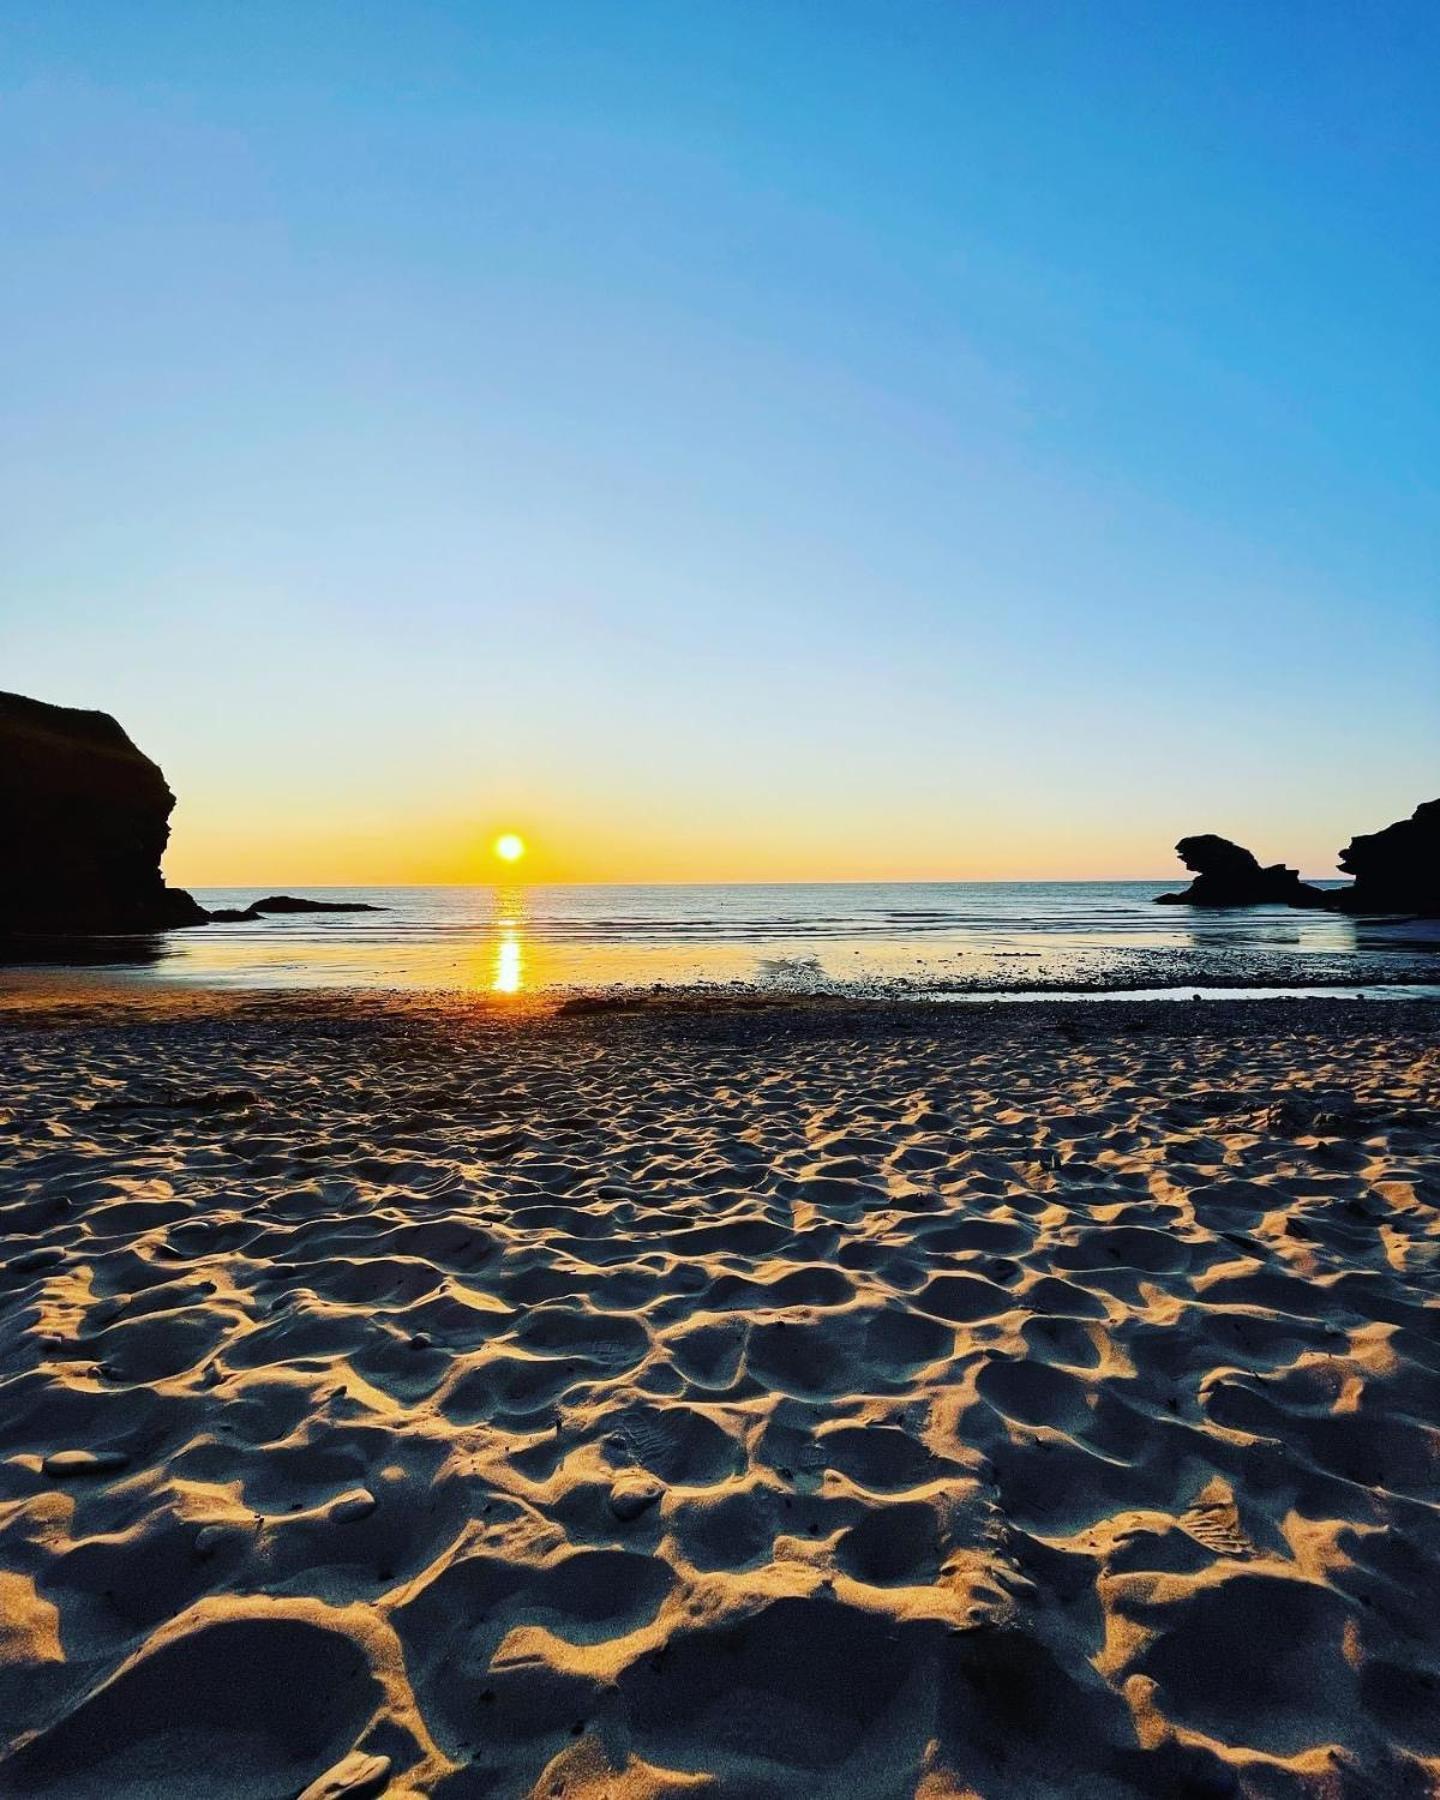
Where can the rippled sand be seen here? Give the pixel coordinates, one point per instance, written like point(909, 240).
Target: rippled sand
point(412, 1399)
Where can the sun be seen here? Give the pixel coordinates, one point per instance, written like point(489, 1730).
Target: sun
point(509, 848)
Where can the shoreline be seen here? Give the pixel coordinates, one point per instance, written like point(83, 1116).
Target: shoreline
point(27, 992)
point(885, 941)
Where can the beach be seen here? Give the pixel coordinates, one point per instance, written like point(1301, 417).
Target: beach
point(420, 1395)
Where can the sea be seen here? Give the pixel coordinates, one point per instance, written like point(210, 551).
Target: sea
point(940, 940)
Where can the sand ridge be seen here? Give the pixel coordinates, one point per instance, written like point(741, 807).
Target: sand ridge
point(823, 1402)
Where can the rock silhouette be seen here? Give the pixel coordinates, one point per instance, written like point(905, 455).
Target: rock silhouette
point(1397, 869)
point(1227, 874)
point(84, 820)
point(289, 903)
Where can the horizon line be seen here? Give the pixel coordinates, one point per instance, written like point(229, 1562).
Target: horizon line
point(850, 881)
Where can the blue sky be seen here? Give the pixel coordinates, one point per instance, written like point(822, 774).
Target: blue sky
point(729, 440)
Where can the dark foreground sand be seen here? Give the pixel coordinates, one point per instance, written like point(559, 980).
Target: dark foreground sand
point(812, 1402)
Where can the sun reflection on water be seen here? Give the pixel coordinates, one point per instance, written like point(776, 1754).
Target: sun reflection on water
point(509, 964)
point(509, 974)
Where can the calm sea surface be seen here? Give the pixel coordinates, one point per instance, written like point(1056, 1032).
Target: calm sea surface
point(940, 937)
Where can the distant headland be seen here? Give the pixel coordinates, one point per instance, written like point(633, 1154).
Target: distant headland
point(85, 819)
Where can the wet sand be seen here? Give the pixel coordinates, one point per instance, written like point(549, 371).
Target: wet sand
point(426, 1398)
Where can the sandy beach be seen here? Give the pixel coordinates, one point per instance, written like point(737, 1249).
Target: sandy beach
point(421, 1398)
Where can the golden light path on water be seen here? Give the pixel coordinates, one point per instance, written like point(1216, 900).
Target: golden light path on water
point(509, 977)
point(509, 965)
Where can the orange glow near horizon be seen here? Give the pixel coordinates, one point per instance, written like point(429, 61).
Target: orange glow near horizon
point(629, 839)
point(412, 830)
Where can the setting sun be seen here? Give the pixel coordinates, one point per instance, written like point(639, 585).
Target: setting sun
point(509, 848)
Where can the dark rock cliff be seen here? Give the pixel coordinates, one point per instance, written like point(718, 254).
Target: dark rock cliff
point(1397, 869)
point(84, 820)
point(1227, 874)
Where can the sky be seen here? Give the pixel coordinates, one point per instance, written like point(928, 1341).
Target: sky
point(729, 439)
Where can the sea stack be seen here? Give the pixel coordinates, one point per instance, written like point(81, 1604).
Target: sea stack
point(287, 903)
point(1227, 874)
point(84, 820)
point(1396, 870)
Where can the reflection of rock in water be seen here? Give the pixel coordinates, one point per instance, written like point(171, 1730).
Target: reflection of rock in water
point(790, 968)
point(137, 951)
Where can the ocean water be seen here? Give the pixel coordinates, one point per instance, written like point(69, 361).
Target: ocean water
point(940, 937)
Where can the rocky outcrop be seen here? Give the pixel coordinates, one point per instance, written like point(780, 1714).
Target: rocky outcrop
point(289, 903)
point(84, 820)
point(1227, 874)
point(1396, 870)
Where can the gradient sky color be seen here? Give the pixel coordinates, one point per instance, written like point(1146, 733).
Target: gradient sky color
point(725, 440)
